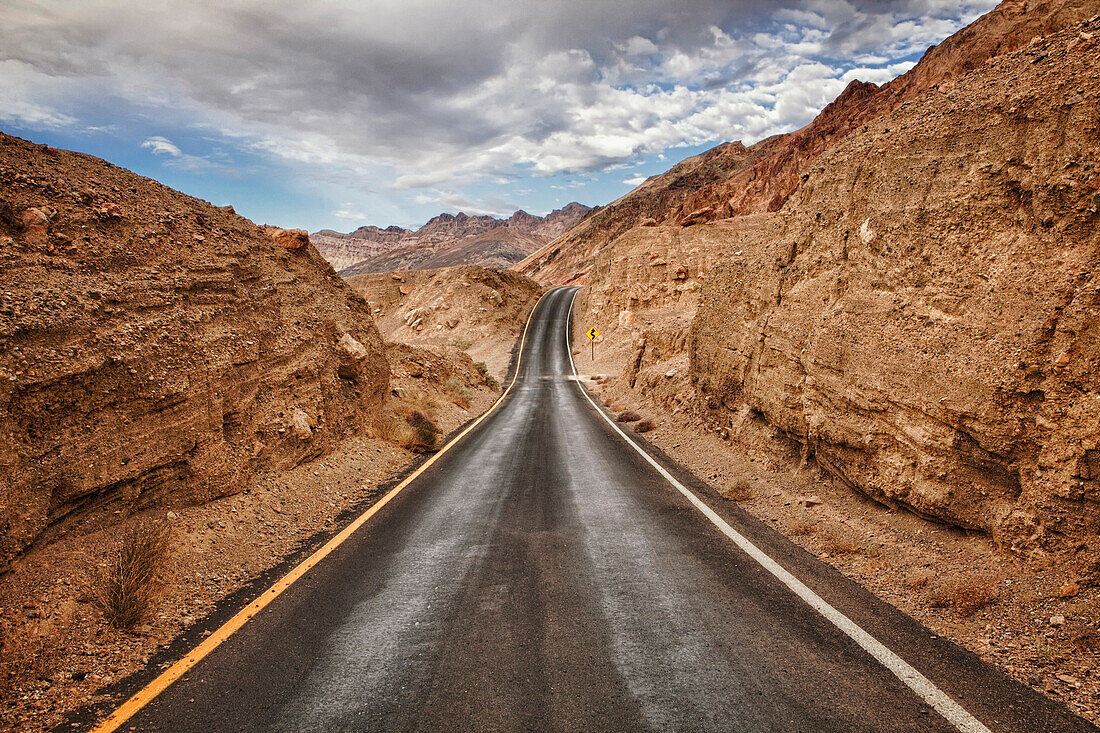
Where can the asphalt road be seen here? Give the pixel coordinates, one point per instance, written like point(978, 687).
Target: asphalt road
point(542, 575)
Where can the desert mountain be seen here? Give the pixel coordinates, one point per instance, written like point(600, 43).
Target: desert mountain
point(905, 289)
point(733, 180)
point(446, 240)
point(158, 350)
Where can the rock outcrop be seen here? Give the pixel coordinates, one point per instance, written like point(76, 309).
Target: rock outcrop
point(158, 350)
point(922, 314)
point(732, 180)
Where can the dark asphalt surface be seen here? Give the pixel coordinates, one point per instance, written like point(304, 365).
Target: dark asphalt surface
point(542, 576)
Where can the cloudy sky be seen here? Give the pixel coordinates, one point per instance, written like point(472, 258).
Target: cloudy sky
point(337, 114)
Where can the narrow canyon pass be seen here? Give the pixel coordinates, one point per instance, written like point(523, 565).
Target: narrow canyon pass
point(918, 308)
point(801, 433)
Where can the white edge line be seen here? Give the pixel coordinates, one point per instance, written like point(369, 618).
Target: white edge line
point(914, 680)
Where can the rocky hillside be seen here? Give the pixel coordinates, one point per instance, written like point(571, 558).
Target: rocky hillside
point(918, 315)
point(926, 325)
point(732, 180)
point(158, 350)
point(445, 241)
point(481, 309)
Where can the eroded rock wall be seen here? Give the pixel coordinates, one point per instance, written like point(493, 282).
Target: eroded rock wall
point(732, 180)
point(923, 314)
point(158, 350)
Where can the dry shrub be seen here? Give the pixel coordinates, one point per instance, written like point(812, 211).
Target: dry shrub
point(918, 578)
point(128, 588)
point(739, 490)
point(490, 381)
point(426, 434)
point(628, 416)
point(801, 528)
point(414, 431)
point(461, 343)
point(607, 402)
point(965, 595)
point(842, 545)
point(644, 426)
point(618, 407)
point(458, 392)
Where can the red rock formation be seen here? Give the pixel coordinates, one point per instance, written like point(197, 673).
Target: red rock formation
point(733, 180)
point(157, 350)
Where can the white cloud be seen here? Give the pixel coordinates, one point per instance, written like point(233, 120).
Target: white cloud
point(162, 146)
point(349, 215)
point(635, 181)
point(413, 95)
point(176, 158)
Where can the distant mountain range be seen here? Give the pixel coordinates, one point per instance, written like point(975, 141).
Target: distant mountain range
point(446, 240)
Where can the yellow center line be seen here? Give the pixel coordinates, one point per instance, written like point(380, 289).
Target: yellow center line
point(146, 694)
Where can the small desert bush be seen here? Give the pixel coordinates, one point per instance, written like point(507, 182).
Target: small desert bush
point(965, 595)
point(128, 588)
point(426, 433)
point(461, 343)
point(739, 490)
point(644, 426)
point(490, 381)
point(628, 416)
point(413, 431)
point(458, 392)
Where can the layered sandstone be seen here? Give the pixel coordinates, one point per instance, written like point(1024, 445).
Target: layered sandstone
point(482, 309)
point(922, 314)
point(158, 350)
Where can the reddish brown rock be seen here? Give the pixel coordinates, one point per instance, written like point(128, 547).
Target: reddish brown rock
point(143, 367)
point(935, 345)
point(290, 239)
point(35, 223)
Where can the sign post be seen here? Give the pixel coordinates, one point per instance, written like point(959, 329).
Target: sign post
point(592, 335)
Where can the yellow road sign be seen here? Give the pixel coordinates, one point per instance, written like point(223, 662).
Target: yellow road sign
point(592, 334)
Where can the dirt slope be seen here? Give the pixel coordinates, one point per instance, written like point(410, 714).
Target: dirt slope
point(732, 180)
point(480, 309)
point(156, 350)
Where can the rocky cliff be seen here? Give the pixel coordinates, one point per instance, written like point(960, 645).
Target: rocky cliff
point(732, 180)
point(157, 350)
point(919, 313)
point(922, 314)
point(445, 240)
